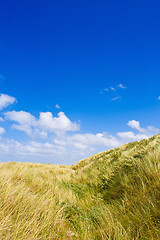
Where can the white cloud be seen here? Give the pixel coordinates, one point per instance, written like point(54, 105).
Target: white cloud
point(153, 129)
point(52, 149)
point(2, 130)
point(86, 140)
point(121, 86)
point(39, 134)
point(56, 137)
point(24, 119)
point(116, 98)
point(112, 92)
point(38, 148)
point(127, 135)
point(115, 88)
point(46, 123)
point(6, 100)
point(32, 148)
point(57, 106)
point(23, 127)
point(112, 88)
point(131, 136)
point(53, 124)
point(143, 132)
point(73, 146)
point(135, 125)
point(1, 119)
point(158, 98)
point(21, 117)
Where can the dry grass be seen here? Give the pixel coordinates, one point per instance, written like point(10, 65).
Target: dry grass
point(113, 195)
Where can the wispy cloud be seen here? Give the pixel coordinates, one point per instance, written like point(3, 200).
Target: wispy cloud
point(112, 88)
point(113, 91)
point(158, 98)
point(116, 98)
point(115, 88)
point(121, 86)
point(57, 106)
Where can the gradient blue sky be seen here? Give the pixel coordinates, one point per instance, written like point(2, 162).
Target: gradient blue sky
point(99, 61)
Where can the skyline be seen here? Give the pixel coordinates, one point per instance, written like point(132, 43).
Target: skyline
point(77, 78)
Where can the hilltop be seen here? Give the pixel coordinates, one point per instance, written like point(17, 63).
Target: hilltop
point(111, 195)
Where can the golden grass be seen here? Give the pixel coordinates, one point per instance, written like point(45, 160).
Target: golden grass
point(113, 195)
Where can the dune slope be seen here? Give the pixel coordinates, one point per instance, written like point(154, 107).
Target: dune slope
point(111, 195)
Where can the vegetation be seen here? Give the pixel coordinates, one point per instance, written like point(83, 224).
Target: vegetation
point(113, 195)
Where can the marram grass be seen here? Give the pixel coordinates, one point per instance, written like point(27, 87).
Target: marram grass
point(113, 195)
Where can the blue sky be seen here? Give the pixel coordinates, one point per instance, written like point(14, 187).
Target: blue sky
point(77, 77)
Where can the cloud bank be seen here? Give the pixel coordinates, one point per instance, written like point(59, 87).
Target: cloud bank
point(58, 139)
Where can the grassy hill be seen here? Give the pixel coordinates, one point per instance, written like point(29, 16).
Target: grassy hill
point(112, 195)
